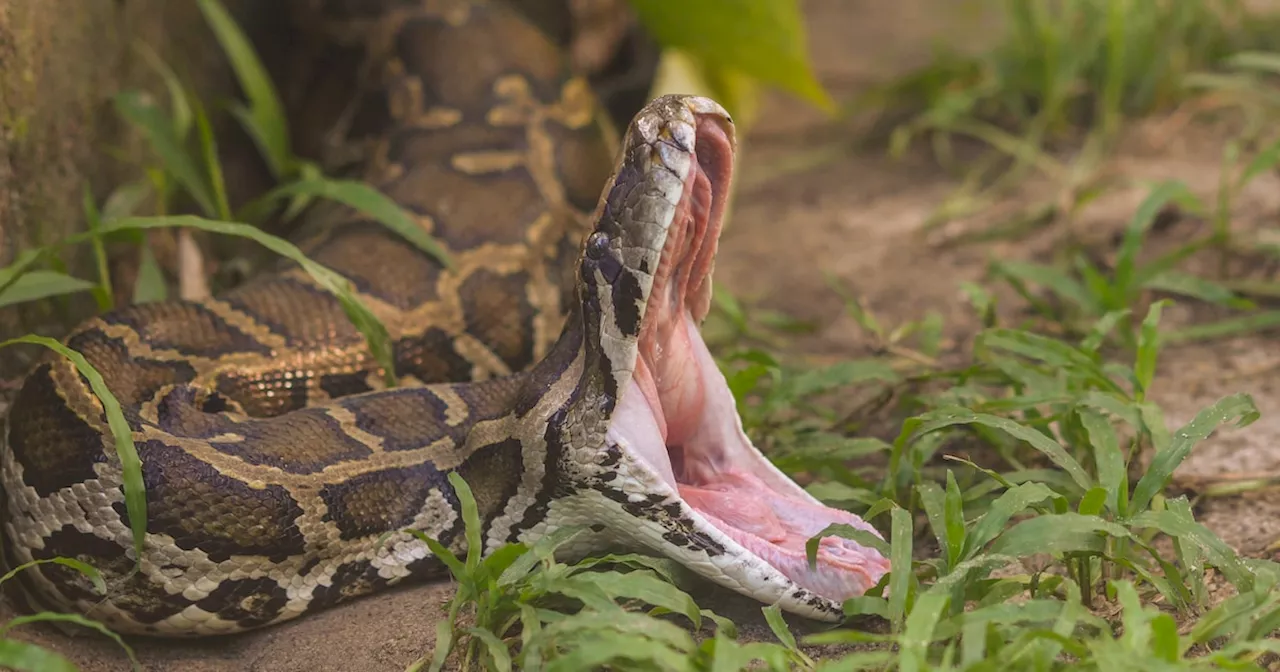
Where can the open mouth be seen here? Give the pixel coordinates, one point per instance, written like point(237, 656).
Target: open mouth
point(678, 415)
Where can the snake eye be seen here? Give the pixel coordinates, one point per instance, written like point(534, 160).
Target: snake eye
point(597, 245)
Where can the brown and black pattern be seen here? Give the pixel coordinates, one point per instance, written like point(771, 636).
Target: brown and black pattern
point(272, 454)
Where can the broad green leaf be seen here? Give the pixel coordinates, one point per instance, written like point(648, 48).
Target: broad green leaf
point(364, 320)
point(764, 39)
point(135, 496)
point(35, 285)
point(263, 119)
point(28, 657)
point(1237, 406)
point(368, 201)
point(139, 110)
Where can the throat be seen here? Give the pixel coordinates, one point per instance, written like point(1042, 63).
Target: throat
point(679, 417)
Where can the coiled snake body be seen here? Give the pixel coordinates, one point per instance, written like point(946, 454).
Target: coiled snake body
point(557, 368)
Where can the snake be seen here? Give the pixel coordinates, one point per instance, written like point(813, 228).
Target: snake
point(555, 364)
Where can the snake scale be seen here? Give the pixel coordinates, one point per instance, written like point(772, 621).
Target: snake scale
point(557, 367)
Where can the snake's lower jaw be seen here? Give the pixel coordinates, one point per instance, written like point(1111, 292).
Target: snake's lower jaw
point(732, 495)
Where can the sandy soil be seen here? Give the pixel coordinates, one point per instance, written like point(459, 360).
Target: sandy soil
point(858, 218)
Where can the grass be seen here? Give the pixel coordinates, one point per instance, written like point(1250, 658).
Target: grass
point(1023, 528)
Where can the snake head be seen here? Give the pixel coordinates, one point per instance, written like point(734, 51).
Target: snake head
point(668, 459)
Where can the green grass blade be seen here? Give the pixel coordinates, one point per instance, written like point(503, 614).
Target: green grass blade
point(1108, 458)
point(1144, 368)
point(498, 651)
point(364, 320)
point(933, 499)
point(74, 619)
point(1266, 160)
point(917, 634)
point(470, 519)
point(1186, 529)
point(368, 201)
point(947, 417)
point(264, 119)
point(844, 531)
point(1013, 501)
point(135, 496)
point(102, 293)
point(1237, 406)
point(150, 285)
point(179, 110)
point(1127, 257)
point(212, 165)
point(900, 575)
point(647, 588)
point(773, 616)
point(10, 274)
point(142, 112)
point(1185, 284)
point(36, 285)
point(954, 521)
point(89, 571)
point(1059, 533)
point(1234, 326)
point(1102, 328)
point(1051, 278)
point(27, 657)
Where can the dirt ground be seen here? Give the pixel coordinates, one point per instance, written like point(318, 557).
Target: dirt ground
point(857, 217)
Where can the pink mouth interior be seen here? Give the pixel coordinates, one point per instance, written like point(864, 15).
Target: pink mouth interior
point(679, 415)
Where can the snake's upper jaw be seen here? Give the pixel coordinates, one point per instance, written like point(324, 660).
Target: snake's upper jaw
point(678, 421)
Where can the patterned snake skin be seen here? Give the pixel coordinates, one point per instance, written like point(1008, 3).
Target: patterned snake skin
point(281, 475)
